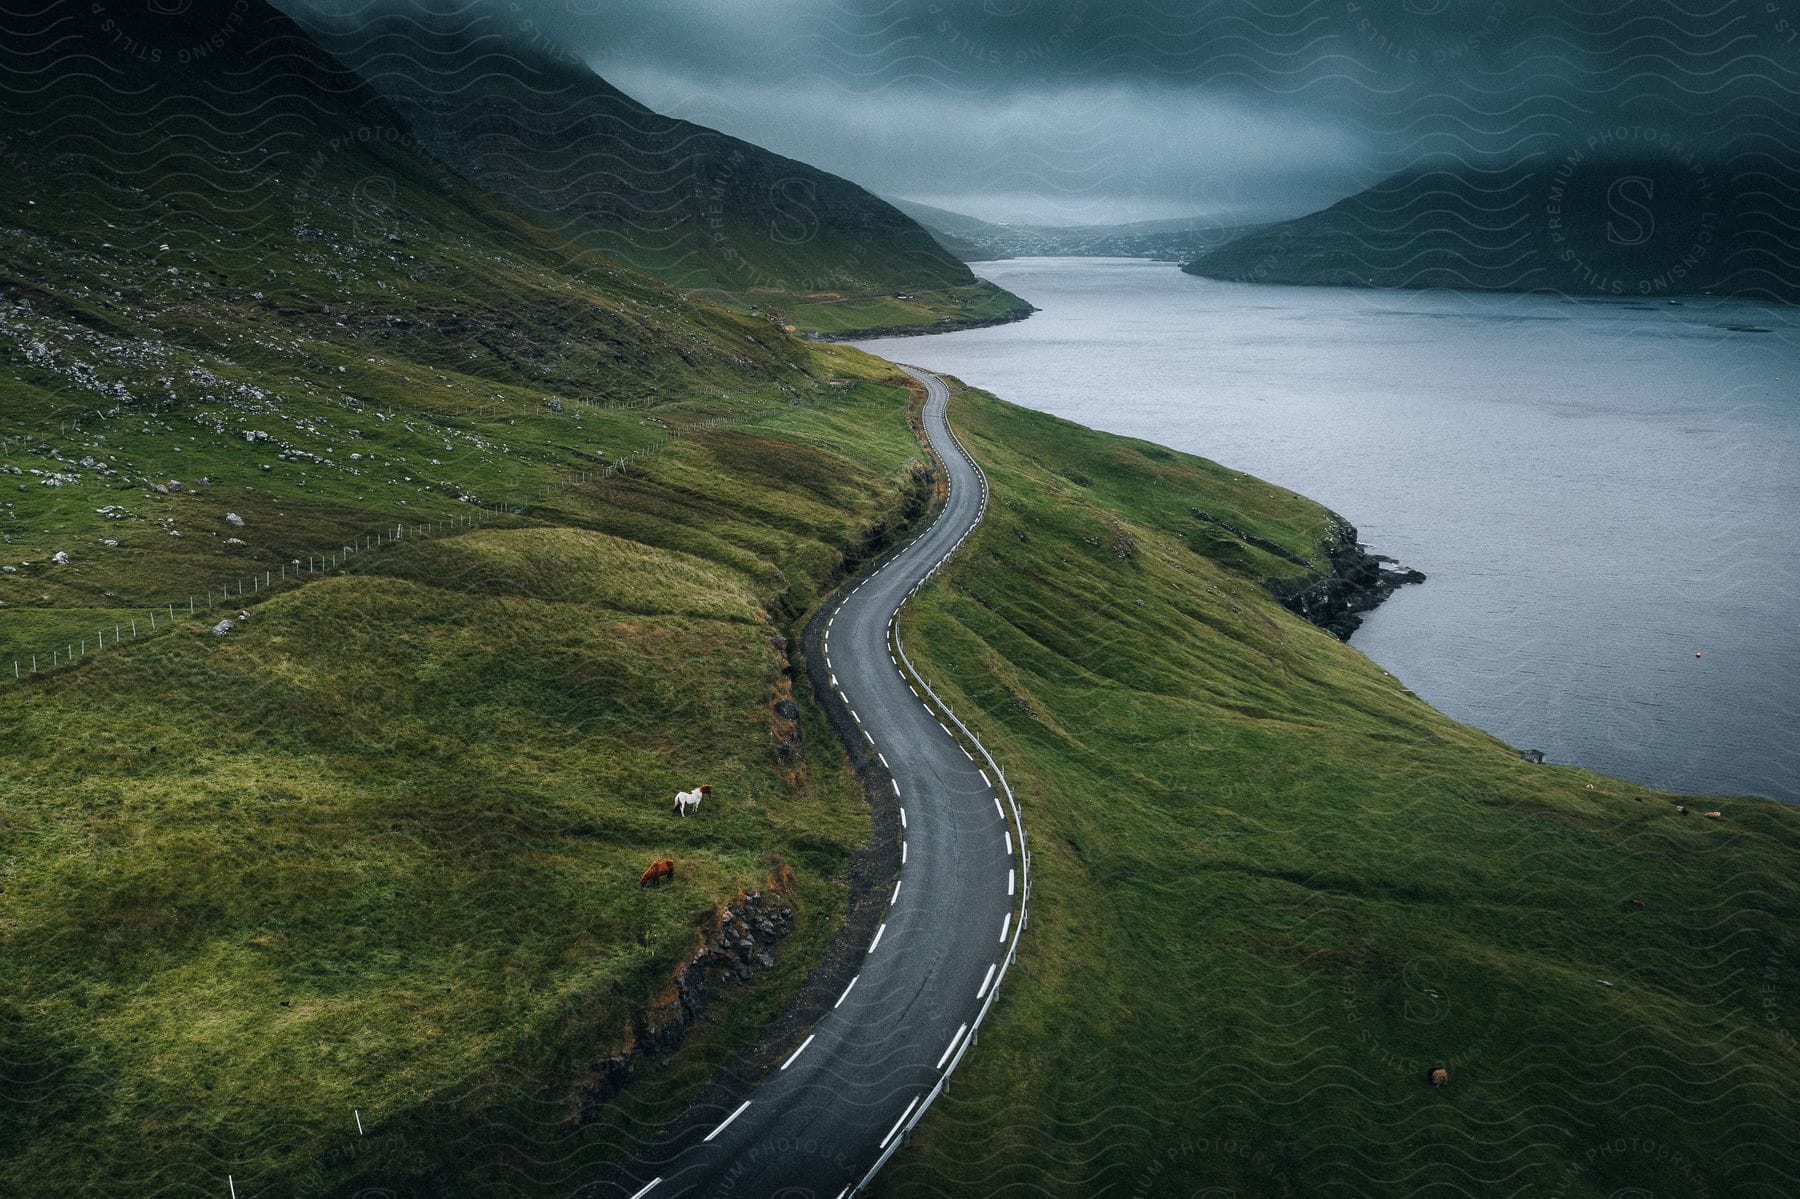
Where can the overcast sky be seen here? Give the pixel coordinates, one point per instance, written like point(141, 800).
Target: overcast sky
point(1104, 111)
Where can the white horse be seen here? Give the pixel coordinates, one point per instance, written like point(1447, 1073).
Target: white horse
point(690, 799)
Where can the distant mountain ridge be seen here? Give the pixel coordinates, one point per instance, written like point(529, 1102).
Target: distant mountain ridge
point(976, 240)
point(1584, 223)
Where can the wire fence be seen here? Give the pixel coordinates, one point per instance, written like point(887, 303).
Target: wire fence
point(246, 589)
point(249, 588)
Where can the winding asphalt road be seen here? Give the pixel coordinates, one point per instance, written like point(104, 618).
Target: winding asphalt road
point(814, 1128)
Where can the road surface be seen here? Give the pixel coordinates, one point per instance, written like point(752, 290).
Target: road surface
point(814, 1127)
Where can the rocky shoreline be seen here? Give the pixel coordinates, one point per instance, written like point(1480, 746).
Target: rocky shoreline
point(1358, 581)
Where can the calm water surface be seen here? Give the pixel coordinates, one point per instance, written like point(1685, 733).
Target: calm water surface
point(1598, 489)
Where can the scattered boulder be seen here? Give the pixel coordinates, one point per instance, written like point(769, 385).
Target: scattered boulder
point(223, 627)
point(1535, 756)
point(60, 558)
point(234, 541)
point(234, 520)
point(787, 709)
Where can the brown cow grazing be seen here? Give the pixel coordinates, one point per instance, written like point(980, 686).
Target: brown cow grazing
point(1713, 815)
point(1438, 1077)
point(658, 871)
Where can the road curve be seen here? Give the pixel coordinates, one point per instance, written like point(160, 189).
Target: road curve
point(820, 1124)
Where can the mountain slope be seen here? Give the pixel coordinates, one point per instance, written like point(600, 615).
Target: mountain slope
point(696, 207)
point(519, 533)
point(1594, 222)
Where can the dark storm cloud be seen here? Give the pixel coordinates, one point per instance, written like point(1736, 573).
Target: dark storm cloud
point(1087, 110)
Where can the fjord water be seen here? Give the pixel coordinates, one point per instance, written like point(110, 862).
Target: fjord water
point(1604, 493)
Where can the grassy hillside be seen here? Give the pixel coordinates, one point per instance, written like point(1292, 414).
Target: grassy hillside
point(373, 853)
point(1272, 889)
point(1611, 220)
point(705, 211)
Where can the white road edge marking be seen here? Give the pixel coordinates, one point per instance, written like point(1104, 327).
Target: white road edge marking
point(884, 760)
point(648, 1187)
point(953, 1043)
point(899, 1122)
point(895, 897)
point(896, 789)
point(845, 995)
point(902, 817)
point(984, 777)
point(1008, 835)
point(877, 941)
point(903, 853)
point(999, 809)
point(728, 1119)
point(795, 1055)
point(1005, 925)
point(1009, 880)
point(985, 981)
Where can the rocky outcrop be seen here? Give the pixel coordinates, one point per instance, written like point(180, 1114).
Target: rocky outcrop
point(1355, 582)
point(739, 942)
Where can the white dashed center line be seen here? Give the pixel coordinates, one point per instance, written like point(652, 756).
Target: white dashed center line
point(792, 1057)
point(728, 1119)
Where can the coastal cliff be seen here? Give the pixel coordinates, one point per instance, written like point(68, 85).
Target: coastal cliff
point(1357, 581)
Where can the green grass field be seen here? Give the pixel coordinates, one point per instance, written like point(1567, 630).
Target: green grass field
point(1271, 890)
point(377, 849)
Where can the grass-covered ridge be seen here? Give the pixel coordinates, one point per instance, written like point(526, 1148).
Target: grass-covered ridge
point(376, 850)
point(1271, 889)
